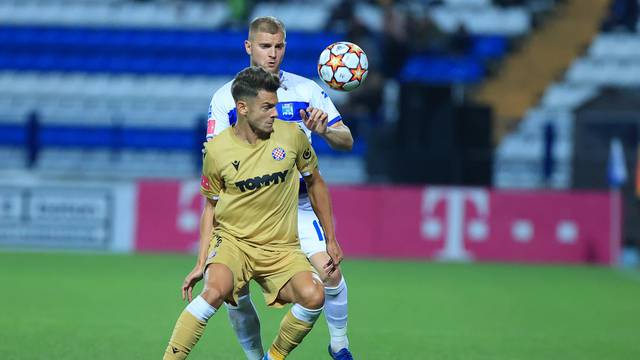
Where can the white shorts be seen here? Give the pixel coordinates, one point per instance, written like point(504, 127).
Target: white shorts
point(312, 240)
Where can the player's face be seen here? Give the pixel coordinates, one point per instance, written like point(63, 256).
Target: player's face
point(261, 112)
point(266, 50)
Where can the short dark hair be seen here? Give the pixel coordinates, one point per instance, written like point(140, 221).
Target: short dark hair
point(268, 24)
point(251, 80)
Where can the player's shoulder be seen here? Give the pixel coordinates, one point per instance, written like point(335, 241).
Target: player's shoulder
point(288, 133)
point(219, 141)
point(287, 128)
point(223, 92)
point(295, 80)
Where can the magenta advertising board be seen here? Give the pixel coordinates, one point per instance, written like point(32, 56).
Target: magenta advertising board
point(443, 223)
point(478, 224)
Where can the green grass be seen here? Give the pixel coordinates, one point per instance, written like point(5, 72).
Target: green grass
point(76, 306)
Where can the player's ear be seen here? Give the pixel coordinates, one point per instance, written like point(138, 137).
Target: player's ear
point(242, 108)
point(247, 47)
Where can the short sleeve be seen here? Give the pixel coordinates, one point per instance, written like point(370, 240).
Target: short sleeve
point(306, 160)
point(218, 116)
point(321, 100)
point(211, 181)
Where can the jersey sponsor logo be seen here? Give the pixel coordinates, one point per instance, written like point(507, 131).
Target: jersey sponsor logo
point(214, 252)
point(278, 153)
point(306, 154)
point(236, 164)
point(204, 182)
point(257, 182)
point(287, 111)
point(211, 126)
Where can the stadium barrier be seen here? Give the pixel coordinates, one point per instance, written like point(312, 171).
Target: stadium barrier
point(48, 215)
point(445, 223)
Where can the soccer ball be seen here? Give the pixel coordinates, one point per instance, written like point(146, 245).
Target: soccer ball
point(343, 66)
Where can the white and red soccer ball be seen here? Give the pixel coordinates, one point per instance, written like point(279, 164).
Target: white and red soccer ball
point(343, 66)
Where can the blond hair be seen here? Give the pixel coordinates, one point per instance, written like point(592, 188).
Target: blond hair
point(267, 24)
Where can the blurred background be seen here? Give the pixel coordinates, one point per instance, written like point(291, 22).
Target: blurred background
point(504, 94)
point(486, 131)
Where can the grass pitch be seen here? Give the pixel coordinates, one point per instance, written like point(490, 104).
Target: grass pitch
point(78, 306)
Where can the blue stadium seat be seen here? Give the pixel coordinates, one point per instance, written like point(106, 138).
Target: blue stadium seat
point(442, 70)
point(489, 47)
point(143, 51)
point(13, 135)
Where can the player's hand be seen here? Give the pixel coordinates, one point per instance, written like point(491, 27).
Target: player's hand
point(190, 281)
point(335, 253)
point(315, 120)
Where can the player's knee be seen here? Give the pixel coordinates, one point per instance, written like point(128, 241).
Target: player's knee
point(213, 296)
point(312, 296)
point(334, 279)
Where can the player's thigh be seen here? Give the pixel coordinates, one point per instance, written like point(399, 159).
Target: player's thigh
point(227, 270)
point(312, 239)
point(303, 288)
point(218, 284)
point(275, 269)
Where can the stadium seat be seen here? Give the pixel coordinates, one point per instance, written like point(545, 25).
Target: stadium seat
point(490, 20)
point(115, 13)
point(441, 70)
point(567, 96)
point(290, 14)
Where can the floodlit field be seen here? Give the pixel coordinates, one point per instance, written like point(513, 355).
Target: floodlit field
point(78, 306)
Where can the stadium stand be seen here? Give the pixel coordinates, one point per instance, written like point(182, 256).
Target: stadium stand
point(116, 85)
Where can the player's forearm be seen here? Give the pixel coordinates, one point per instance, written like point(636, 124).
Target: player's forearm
point(321, 203)
point(339, 138)
point(206, 229)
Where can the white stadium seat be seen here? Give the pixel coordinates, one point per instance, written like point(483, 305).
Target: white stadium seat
point(171, 14)
point(490, 20)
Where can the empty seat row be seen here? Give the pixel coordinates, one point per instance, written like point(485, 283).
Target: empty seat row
point(442, 70)
point(605, 72)
point(175, 14)
point(513, 21)
point(107, 86)
point(568, 96)
point(616, 46)
point(216, 43)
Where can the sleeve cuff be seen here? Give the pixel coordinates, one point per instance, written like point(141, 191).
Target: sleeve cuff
point(335, 120)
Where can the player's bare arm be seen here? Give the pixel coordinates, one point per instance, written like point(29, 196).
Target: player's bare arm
point(321, 202)
point(206, 228)
point(338, 135)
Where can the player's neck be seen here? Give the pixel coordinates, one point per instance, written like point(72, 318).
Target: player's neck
point(245, 132)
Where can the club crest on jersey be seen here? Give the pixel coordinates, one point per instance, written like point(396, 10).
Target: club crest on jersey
point(278, 154)
point(287, 111)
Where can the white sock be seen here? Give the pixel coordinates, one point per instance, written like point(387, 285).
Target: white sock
point(201, 309)
point(335, 310)
point(307, 315)
point(246, 324)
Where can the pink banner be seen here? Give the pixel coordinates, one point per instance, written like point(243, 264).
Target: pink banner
point(432, 222)
point(168, 216)
point(478, 224)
